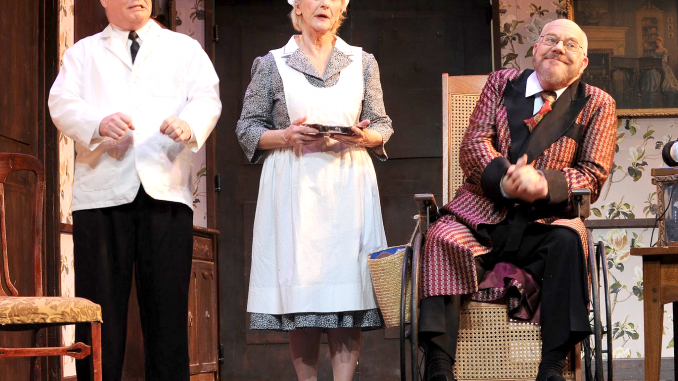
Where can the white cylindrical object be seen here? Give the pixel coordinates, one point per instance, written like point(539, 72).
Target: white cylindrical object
point(674, 152)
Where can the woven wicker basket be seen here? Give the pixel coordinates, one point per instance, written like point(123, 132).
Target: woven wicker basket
point(490, 347)
point(386, 276)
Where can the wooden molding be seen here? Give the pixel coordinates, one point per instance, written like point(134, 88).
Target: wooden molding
point(617, 223)
point(647, 112)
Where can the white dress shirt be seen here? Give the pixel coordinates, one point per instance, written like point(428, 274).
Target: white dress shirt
point(533, 87)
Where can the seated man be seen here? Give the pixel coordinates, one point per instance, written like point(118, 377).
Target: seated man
point(522, 155)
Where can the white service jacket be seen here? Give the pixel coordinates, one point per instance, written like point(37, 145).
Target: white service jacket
point(171, 75)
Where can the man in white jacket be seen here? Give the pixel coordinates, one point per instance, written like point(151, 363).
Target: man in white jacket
point(136, 99)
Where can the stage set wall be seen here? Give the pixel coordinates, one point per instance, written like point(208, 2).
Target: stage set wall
point(628, 193)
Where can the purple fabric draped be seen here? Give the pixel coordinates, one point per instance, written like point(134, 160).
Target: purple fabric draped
point(522, 291)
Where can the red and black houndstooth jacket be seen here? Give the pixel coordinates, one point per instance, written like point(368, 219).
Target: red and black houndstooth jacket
point(573, 145)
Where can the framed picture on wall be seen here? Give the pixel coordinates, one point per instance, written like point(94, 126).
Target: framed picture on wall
point(633, 53)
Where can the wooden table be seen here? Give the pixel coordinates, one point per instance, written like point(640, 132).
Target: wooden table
point(660, 285)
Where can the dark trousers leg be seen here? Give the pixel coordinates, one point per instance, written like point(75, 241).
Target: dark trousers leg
point(564, 315)
point(153, 238)
point(163, 268)
point(104, 260)
point(439, 322)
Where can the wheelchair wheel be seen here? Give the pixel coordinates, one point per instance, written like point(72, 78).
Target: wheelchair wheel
point(595, 355)
point(409, 338)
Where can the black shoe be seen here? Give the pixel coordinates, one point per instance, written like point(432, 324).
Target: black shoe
point(439, 366)
point(550, 370)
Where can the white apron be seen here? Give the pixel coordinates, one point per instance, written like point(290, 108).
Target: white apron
point(318, 212)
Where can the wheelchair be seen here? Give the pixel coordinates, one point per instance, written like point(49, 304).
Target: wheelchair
point(593, 354)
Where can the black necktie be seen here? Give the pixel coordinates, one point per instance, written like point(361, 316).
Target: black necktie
point(135, 45)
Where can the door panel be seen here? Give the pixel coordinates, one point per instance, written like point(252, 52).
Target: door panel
point(19, 105)
point(194, 360)
point(24, 73)
point(414, 43)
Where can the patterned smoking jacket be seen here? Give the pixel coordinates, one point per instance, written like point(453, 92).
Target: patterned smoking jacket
point(573, 145)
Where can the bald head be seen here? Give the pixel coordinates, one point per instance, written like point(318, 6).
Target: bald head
point(559, 56)
point(572, 27)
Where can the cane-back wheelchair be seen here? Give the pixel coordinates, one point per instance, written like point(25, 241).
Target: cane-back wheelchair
point(490, 345)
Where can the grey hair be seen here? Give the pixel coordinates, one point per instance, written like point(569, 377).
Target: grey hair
point(297, 21)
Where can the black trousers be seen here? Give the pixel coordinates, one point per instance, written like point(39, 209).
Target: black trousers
point(153, 239)
point(553, 255)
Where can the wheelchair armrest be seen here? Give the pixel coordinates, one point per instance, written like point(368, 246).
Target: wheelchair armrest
point(426, 205)
point(425, 197)
point(582, 202)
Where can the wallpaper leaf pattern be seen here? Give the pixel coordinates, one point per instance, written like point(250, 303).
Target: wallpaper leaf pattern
point(629, 194)
point(521, 23)
point(191, 21)
point(66, 168)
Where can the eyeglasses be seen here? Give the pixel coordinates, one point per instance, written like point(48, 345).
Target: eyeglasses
point(571, 46)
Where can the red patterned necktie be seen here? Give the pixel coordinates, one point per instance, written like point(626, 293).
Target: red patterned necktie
point(549, 97)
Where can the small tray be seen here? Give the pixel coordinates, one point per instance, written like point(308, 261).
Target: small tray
point(325, 129)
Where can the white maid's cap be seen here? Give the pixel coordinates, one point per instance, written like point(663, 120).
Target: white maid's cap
point(291, 2)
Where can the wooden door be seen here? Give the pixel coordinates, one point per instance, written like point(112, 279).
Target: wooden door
point(414, 42)
point(27, 68)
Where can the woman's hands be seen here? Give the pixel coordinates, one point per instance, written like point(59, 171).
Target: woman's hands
point(361, 137)
point(295, 134)
point(298, 135)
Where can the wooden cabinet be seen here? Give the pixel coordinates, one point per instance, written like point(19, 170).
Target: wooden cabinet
point(203, 307)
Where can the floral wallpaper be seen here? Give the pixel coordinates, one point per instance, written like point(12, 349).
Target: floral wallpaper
point(66, 168)
point(628, 192)
point(639, 145)
point(66, 145)
point(626, 292)
point(521, 22)
point(191, 21)
point(67, 290)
